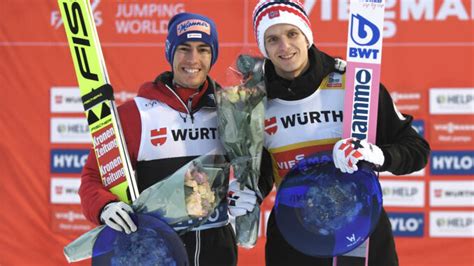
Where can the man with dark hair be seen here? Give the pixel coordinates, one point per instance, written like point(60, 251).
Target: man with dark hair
point(180, 99)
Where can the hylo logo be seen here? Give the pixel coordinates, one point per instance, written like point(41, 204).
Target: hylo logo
point(407, 224)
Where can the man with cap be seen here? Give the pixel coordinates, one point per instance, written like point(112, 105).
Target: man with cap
point(304, 82)
point(175, 100)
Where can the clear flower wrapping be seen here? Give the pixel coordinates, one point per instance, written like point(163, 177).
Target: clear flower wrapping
point(240, 112)
point(190, 194)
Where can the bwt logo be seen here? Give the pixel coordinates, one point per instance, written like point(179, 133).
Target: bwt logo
point(363, 33)
point(68, 161)
point(452, 163)
point(407, 224)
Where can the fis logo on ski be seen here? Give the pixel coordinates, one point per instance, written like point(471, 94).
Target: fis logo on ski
point(452, 163)
point(407, 224)
point(364, 36)
point(158, 137)
point(68, 161)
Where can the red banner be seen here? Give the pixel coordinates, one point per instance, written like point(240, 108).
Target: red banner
point(427, 66)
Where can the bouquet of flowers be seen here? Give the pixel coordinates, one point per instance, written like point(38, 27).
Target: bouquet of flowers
point(199, 196)
point(240, 112)
point(189, 196)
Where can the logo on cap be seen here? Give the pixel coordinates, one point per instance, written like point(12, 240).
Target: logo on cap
point(193, 25)
point(273, 14)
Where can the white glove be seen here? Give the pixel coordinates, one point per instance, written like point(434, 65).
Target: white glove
point(240, 201)
point(116, 215)
point(348, 152)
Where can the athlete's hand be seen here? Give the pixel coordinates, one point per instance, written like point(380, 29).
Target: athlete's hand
point(348, 152)
point(240, 201)
point(116, 215)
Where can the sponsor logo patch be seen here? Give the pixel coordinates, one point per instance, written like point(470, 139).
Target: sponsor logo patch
point(452, 101)
point(452, 163)
point(452, 224)
point(68, 160)
point(193, 25)
point(65, 190)
point(407, 224)
point(452, 193)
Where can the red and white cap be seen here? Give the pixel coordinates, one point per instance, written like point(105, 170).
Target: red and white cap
point(271, 12)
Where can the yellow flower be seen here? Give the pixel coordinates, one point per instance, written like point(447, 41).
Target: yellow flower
point(232, 94)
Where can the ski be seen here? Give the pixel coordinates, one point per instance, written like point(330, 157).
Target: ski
point(364, 54)
point(97, 97)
